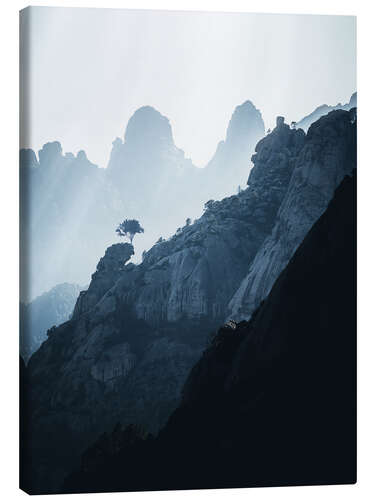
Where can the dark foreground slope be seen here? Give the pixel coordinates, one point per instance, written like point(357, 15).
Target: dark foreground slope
point(272, 401)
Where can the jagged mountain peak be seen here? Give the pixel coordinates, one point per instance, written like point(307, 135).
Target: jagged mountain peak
point(147, 125)
point(81, 155)
point(277, 149)
point(246, 119)
point(28, 158)
point(49, 152)
point(229, 167)
point(353, 100)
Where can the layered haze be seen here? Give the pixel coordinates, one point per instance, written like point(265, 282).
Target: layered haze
point(153, 97)
point(226, 145)
point(93, 68)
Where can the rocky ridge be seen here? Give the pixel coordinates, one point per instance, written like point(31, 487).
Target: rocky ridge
point(305, 122)
point(328, 154)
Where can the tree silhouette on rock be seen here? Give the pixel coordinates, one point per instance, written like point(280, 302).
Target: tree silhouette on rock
point(129, 228)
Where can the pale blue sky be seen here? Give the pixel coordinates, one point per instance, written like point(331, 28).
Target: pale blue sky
point(90, 69)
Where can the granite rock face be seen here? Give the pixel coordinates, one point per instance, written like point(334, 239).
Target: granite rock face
point(193, 275)
point(328, 154)
point(106, 275)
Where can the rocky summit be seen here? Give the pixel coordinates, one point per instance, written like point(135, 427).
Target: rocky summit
point(147, 153)
point(230, 164)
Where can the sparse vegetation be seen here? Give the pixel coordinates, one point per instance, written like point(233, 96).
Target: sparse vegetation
point(129, 228)
point(209, 204)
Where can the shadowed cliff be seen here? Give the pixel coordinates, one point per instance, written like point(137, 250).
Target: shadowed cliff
point(328, 154)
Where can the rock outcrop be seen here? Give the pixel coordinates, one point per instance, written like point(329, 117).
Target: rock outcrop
point(107, 273)
point(328, 154)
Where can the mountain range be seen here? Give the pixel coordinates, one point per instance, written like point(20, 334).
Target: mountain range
point(324, 109)
point(70, 207)
point(140, 334)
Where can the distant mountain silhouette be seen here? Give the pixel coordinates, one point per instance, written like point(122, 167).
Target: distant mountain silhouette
point(68, 211)
point(230, 165)
point(70, 207)
point(50, 309)
point(305, 122)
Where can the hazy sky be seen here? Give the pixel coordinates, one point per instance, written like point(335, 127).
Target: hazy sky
point(92, 68)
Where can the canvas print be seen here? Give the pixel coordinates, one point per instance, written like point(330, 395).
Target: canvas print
point(188, 250)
